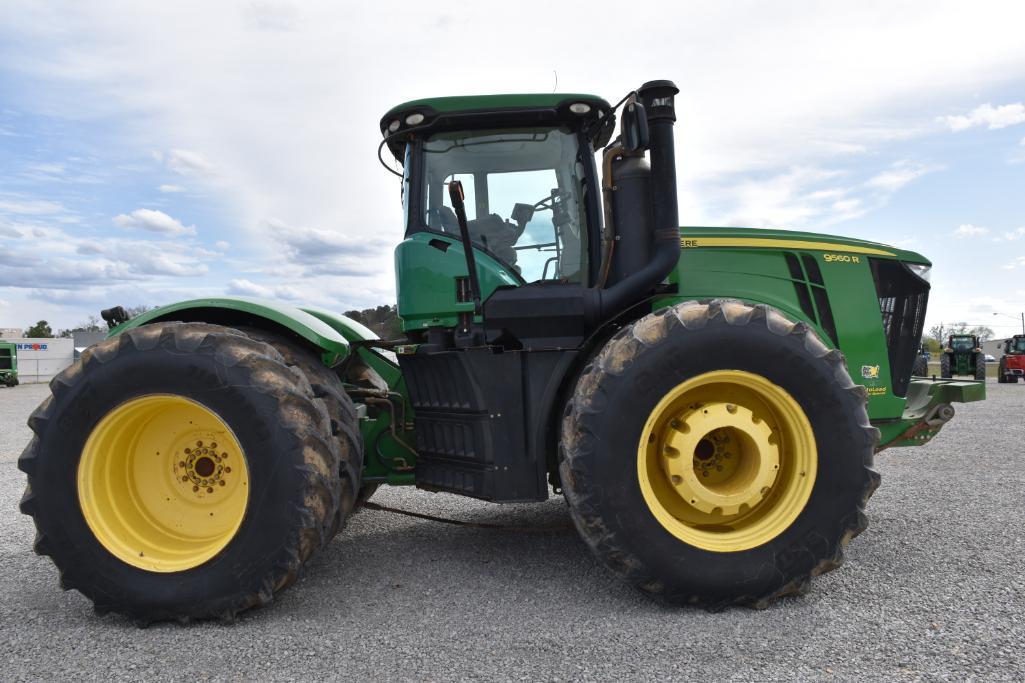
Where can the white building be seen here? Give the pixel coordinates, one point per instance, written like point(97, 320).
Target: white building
point(40, 359)
point(11, 332)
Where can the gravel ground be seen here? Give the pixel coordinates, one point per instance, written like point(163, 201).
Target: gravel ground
point(934, 590)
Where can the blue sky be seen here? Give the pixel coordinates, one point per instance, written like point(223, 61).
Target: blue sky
point(177, 150)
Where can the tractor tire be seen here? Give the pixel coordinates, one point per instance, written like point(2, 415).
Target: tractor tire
point(340, 408)
point(683, 389)
point(921, 367)
point(945, 366)
point(980, 367)
point(124, 447)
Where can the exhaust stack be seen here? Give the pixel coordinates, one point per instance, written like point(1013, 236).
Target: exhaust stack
point(657, 98)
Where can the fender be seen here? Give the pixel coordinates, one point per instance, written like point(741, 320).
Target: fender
point(327, 332)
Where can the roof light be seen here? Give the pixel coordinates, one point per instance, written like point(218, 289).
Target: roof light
point(580, 107)
point(393, 126)
point(414, 119)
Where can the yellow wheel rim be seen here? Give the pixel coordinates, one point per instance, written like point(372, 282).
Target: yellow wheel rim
point(163, 483)
point(727, 461)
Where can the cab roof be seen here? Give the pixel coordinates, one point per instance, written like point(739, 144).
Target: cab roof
point(483, 111)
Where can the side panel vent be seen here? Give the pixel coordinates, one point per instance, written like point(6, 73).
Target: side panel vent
point(811, 292)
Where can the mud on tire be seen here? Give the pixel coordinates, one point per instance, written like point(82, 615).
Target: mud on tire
point(619, 389)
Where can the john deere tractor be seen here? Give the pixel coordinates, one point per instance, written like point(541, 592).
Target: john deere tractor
point(963, 356)
point(8, 364)
point(1012, 363)
point(708, 400)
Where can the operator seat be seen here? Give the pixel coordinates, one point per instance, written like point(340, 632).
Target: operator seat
point(495, 234)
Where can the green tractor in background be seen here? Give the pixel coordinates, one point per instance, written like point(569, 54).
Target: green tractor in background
point(8, 364)
point(963, 356)
point(708, 400)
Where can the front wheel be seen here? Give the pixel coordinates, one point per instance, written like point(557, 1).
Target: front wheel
point(980, 367)
point(945, 371)
point(718, 454)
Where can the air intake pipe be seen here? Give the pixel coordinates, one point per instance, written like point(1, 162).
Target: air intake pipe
point(657, 98)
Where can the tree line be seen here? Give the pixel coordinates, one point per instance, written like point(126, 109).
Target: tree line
point(936, 338)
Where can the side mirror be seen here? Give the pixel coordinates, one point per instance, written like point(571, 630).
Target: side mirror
point(634, 127)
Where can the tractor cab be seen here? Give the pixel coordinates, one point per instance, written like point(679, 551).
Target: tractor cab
point(1012, 364)
point(964, 343)
point(533, 265)
point(526, 166)
point(1015, 346)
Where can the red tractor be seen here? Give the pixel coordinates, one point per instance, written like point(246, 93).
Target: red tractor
point(1012, 364)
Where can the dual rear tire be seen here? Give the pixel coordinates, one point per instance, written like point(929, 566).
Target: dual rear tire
point(188, 471)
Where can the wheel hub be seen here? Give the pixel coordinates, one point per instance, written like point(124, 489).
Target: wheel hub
point(163, 483)
point(201, 466)
point(726, 460)
point(720, 458)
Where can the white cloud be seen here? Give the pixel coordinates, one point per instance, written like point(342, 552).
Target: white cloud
point(153, 221)
point(30, 207)
point(987, 115)
point(171, 188)
point(328, 252)
point(969, 230)
point(899, 174)
point(187, 163)
point(52, 168)
point(244, 287)
point(1011, 235)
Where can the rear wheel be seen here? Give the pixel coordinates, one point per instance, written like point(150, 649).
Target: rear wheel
point(180, 471)
point(945, 366)
point(344, 424)
point(738, 461)
point(980, 366)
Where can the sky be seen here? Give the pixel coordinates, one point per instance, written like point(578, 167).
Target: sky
point(152, 152)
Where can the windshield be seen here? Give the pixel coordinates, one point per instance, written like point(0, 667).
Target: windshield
point(524, 192)
point(1018, 345)
point(962, 343)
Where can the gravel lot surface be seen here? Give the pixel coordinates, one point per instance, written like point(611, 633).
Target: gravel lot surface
point(934, 590)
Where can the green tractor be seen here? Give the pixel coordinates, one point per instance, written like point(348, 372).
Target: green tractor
point(963, 356)
point(708, 400)
point(8, 364)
